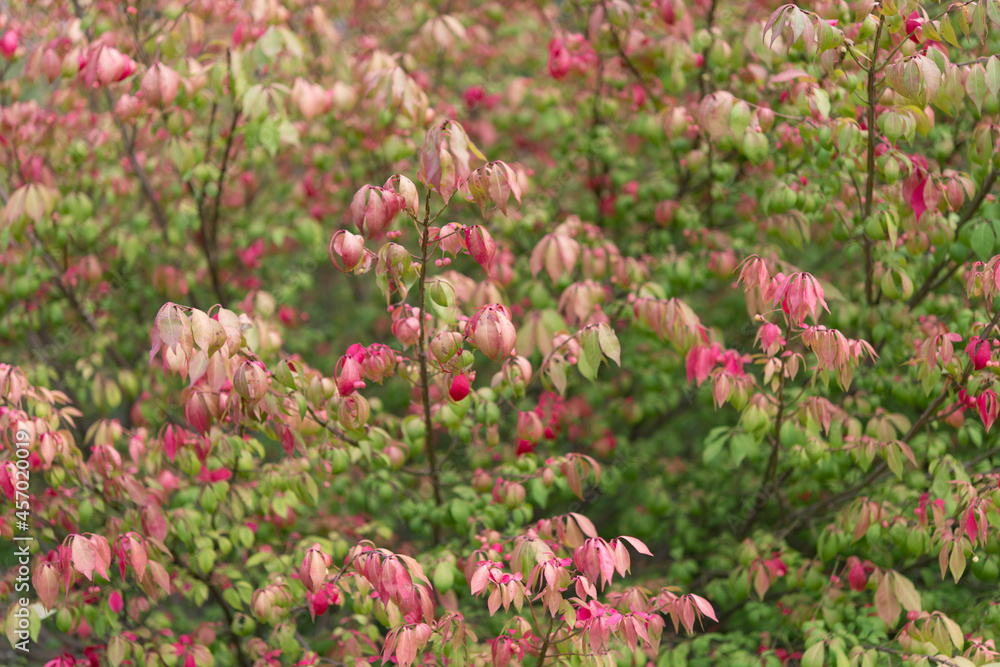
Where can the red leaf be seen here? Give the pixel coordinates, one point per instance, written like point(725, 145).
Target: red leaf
point(917, 199)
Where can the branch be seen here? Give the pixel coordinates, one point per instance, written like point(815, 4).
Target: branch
point(87, 317)
point(881, 471)
point(870, 182)
point(929, 285)
point(241, 658)
point(703, 85)
point(936, 659)
point(546, 643)
point(424, 381)
point(772, 464)
point(628, 61)
point(147, 187)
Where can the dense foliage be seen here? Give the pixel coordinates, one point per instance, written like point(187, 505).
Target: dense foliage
point(580, 332)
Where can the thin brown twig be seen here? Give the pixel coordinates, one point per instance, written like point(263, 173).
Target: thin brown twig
point(425, 388)
point(870, 181)
point(970, 210)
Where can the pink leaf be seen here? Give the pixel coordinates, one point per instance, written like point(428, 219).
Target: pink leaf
point(585, 524)
point(102, 555)
point(137, 555)
point(84, 559)
point(637, 544)
point(703, 606)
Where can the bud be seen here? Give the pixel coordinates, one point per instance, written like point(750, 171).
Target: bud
point(514, 495)
point(373, 209)
point(445, 345)
point(868, 27)
point(517, 372)
point(348, 375)
point(451, 236)
point(529, 426)
point(243, 625)
point(979, 352)
point(482, 481)
point(320, 603)
point(262, 604)
point(491, 331)
point(349, 247)
point(755, 147)
point(353, 412)
point(51, 65)
point(739, 118)
point(106, 65)
point(765, 118)
point(954, 194)
point(310, 98)
point(407, 329)
point(665, 211)
point(342, 96)
point(675, 122)
point(481, 246)
point(159, 85)
point(396, 455)
point(8, 44)
point(379, 361)
point(313, 569)
point(128, 107)
point(460, 387)
point(196, 412)
point(857, 577)
point(250, 381)
point(405, 188)
point(667, 12)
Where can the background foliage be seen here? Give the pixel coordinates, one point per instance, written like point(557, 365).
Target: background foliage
point(492, 279)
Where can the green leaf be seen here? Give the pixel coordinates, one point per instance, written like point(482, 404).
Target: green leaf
point(813, 657)
point(270, 136)
point(714, 443)
point(822, 100)
point(957, 561)
point(895, 463)
point(539, 493)
point(983, 240)
point(905, 592)
point(975, 85)
point(742, 445)
point(206, 560)
point(993, 76)
point(993, 11)
point(271, 42)
point(590, 355)
point(555, 371)
point(610, 346)
point(255, 103)
point(232, 598)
